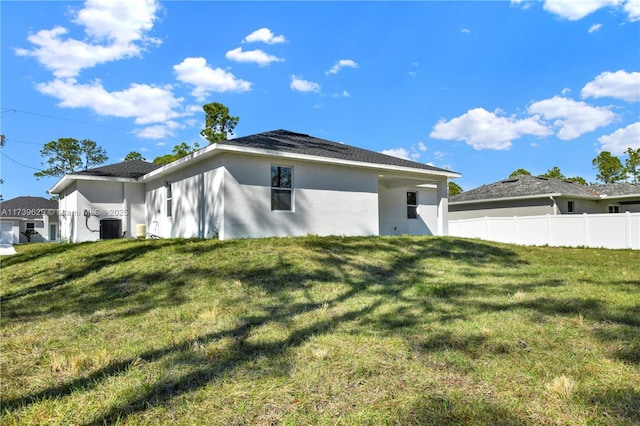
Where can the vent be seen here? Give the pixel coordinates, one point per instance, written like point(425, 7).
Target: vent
point(110, 229)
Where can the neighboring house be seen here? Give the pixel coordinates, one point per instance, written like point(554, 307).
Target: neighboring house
point(25, 215)
point(276, 183)
point(525, 195)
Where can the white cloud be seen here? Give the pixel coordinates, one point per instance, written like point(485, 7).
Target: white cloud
point(632, 7)
point(301, 85)
point(147, 104)
point(264, 35)
point(154, 132)
point(342, 63)
point(565, 90)
point(594, 28)
point(619, 85)
point(465, 31)
point(117, 29)
point(196, 72)
point(482, 129)
point(618, 141)
point(575, 10)
point(397, 152)
point(571, 117)
point(256, 56)
point(412, 154)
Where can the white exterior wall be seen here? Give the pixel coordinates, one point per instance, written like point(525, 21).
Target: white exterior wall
point(196, 202)
point(327, 199)
point(393, 210)
point(102, 200)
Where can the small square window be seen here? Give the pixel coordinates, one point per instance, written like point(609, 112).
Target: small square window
point(571, 207)
point(614, 209)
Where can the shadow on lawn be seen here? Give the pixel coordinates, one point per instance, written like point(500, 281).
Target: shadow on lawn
point(404, 262)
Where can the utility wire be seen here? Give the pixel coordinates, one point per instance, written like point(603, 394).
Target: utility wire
point(19, 164)
point(59, 118)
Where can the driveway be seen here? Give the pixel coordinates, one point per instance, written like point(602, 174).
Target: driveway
point(6, 249)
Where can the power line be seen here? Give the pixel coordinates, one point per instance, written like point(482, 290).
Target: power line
point(18, 163)
point(14, 110)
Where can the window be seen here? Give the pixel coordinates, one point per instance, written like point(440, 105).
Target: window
point(412, 205)
point(31, 226)
point(281, 188)
point(571, 207)
point(614, 209)
point(167, 185)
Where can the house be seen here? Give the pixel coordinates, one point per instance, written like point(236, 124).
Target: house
point(33, 216)
point(525, 195)
point(277, 183)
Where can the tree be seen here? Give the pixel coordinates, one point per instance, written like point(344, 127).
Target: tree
point(68, 155)
point(134, 155)
point(520, 172)
point(218, 123)
point(554, 173)
point(610, 168)
point(454, 189)
point(578, 179)
point(92, 154)
point(632, 164)
point(178, 152)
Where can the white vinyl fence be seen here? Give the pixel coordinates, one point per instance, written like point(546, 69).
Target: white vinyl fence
point(614, 231)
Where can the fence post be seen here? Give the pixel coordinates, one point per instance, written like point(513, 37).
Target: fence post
point(627, 229)
point(586, 229)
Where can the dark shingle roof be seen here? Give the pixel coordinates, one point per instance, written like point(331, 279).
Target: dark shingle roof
point(616, 189)
point(525, 186)
point(27, 207)
point(298, 143)
point(126, 169)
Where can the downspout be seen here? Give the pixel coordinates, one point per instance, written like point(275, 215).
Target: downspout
point(555, 206)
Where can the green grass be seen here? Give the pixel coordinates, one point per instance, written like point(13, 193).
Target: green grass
point(299, 331)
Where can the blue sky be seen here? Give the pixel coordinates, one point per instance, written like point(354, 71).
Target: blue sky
point(481, 88)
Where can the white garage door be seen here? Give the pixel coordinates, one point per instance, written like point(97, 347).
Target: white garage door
point(6, 232)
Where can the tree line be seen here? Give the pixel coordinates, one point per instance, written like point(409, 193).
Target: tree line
point(69, 155)
point(610, 170)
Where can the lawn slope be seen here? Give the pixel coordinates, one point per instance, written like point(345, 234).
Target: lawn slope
point(396, 330)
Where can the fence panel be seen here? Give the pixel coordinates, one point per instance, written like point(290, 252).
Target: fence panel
point(590, 230)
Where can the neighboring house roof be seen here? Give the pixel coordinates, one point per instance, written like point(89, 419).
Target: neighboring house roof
point(616, 189)
point(27, 207)
point(524, 186)
point(126, 169)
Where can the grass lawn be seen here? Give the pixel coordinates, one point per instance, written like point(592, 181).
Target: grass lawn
point(299, 331)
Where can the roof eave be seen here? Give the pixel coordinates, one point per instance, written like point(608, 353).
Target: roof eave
point(218, 148)
point(69, 179)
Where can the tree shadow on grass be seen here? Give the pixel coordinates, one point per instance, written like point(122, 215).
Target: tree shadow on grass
point(382, 269)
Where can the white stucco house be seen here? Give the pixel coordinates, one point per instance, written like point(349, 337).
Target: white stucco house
point(33, 216)
point(277, 183)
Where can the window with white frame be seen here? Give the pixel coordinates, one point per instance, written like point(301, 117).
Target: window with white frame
point(167, 185)
point(281, 188)
point(571, 206)
point(412, 205)
point(614, 209)
point(31, 226)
